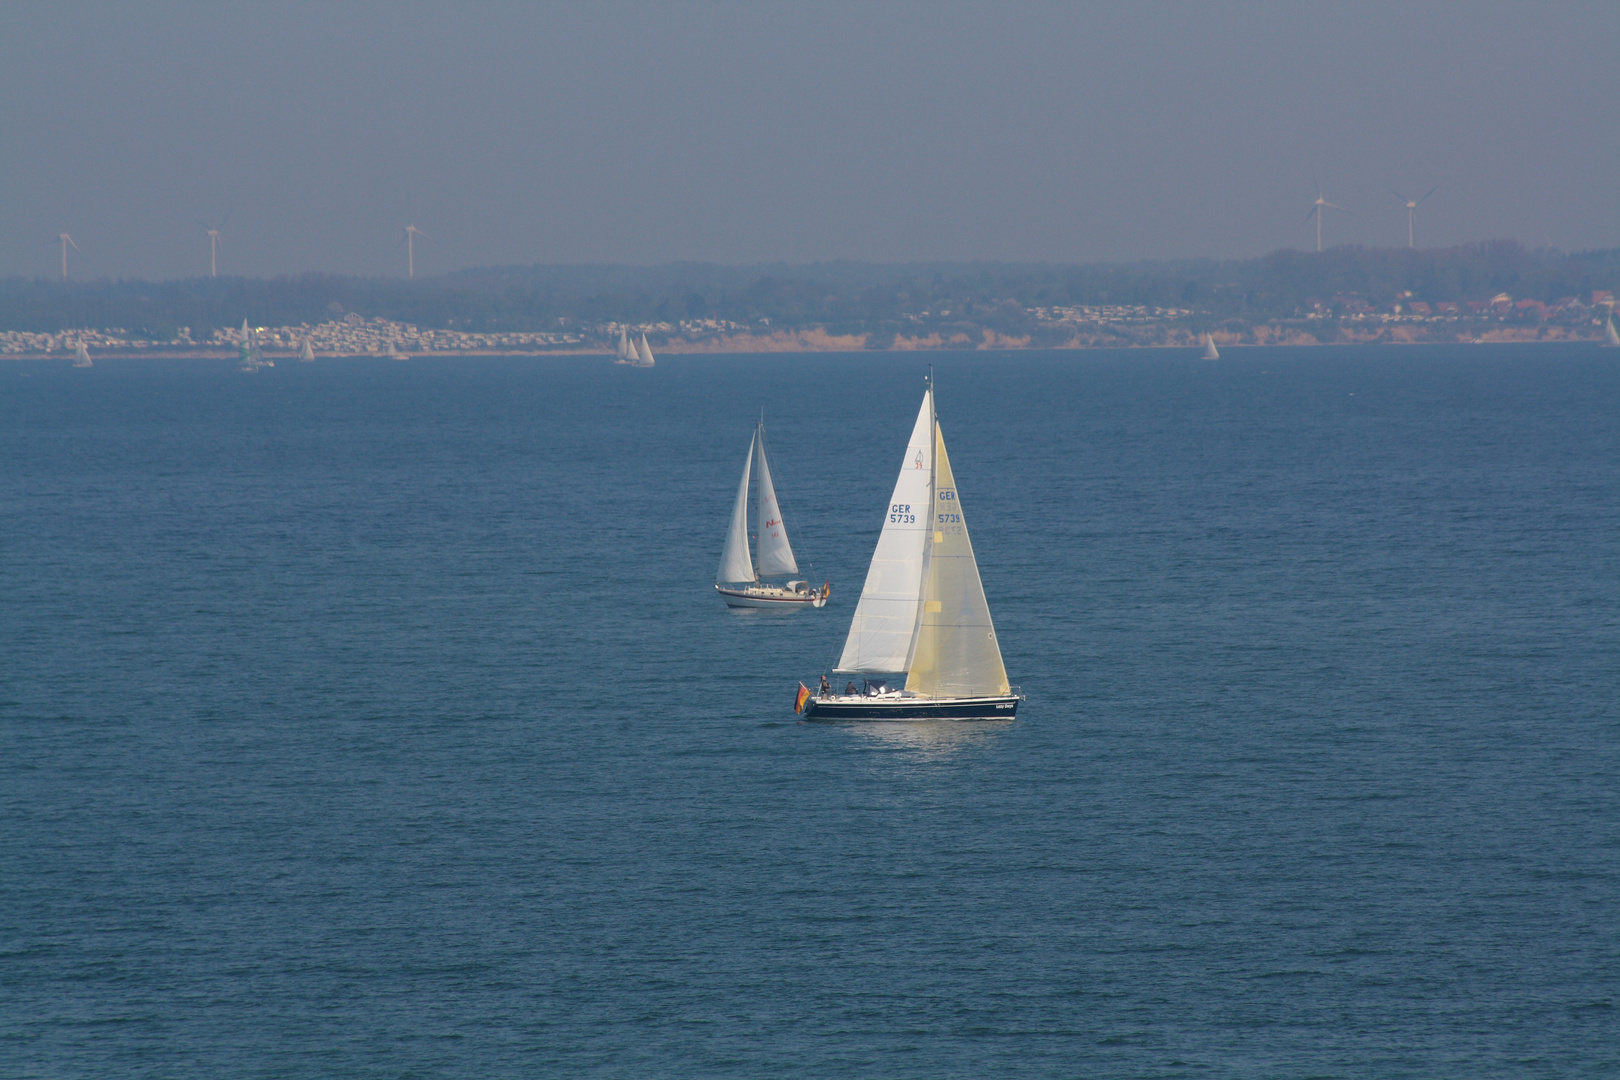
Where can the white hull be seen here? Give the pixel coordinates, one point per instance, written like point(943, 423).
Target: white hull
point(772, 596)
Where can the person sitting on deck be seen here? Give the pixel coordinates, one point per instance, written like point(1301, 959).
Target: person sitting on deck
point(849, 691)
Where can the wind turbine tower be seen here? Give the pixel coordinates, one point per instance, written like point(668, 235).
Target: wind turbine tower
point(1411, 212)
point(411, 233)
point(65, 240)
point(213, 253)
point(1316, 208)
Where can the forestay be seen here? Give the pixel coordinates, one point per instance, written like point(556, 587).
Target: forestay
point(775, 553)
point(881, 631)
point(734, 562)
point(956, 652)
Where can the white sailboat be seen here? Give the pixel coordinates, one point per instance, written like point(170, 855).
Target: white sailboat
point(81, 355)
point(1611, 337)
point(394, 353)
point(1210, 351)
point(740, 579)
point(626, 351)
point(248, 356)
point(922, 612)
point(307, 353)
point(644, 356)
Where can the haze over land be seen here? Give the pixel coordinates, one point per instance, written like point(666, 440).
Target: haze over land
point(904, 133)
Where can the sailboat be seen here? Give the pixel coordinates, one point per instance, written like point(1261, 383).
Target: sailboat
point(644, 356)
point(626, 351)
point(740, 579)
point(1610, 336)
point(922, 612)
point(307, 353)
point(394, 353)
point(81, 355)
point(248, 356)
point(1210, 351)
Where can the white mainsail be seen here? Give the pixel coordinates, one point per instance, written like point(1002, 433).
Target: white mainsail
point(954, 652)
point(775, 553)
point(626, 353)
point(880, 634)
point(645, 354)
point(81, 355)
point(734, 562)
point(1610, 335)
point(307, 354)
point(1210, 352)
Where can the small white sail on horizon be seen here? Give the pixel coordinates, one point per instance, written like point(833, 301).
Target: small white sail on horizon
point(1611, 336)
point(307, 353)
point(644, 356)
point(1210, 352)
point(81, 355)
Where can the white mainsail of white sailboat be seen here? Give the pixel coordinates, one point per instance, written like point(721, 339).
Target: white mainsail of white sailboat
point(307, 353)
point(740, 579)
point(1210, 352)
point(1611, 337)
point(922, 611)
point(626, 351)
point(644, 356)
point(81, 355)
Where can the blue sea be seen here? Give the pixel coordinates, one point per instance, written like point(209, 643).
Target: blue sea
point(369, 719)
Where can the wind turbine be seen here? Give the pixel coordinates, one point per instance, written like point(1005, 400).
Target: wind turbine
point(213, 244)
point(1316, 208)
point(1411, 211)
point(411, 233)
point(65, 240)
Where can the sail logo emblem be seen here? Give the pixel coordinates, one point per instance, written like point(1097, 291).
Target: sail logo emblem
point(919, 462)
point(770, 524)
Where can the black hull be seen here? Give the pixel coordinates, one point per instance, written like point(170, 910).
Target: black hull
point(994, 708)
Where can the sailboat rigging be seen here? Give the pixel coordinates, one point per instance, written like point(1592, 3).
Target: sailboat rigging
point(740, 581)
point(922, 612)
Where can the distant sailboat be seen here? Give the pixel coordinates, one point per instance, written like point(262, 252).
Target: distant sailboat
point(307, 353)
point(740, 580)
point(1210, 352)
point(394, 353)
point(1610, 336)
point(248, 356)
point(627, 351)
point(644, 356)
point(922, 610)
point(81, 355)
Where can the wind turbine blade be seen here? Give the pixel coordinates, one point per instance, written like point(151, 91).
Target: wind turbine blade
point(1431, 192)
point(419, 232)
point(1398, 195)
point(75, 246)
point(1308, 214)
point(1335, 206)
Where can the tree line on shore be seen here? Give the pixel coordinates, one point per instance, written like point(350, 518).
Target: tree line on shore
point(878, 300)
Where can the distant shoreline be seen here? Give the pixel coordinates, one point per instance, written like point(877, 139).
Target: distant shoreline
point(815, 342)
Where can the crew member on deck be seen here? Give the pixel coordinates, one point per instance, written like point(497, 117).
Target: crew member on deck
point(826, 687)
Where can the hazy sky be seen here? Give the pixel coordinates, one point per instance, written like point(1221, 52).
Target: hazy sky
point(749, 132)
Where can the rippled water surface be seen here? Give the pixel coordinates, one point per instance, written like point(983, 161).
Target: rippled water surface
point(377, 719)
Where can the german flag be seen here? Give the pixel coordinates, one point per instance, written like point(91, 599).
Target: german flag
point(803, 696)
